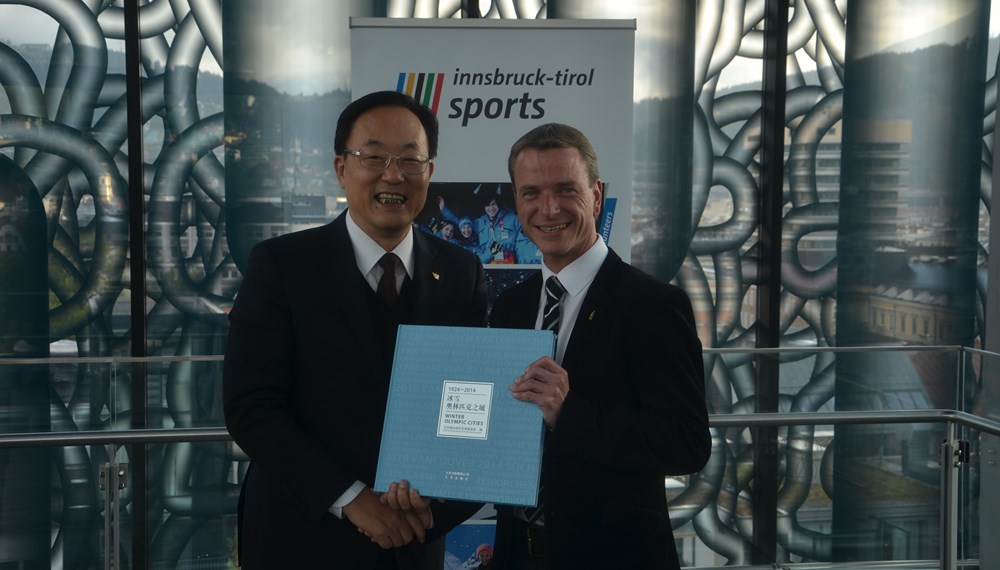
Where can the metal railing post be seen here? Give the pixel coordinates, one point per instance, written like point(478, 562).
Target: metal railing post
point(113, 478)
point(951, 460)
point(960, 381)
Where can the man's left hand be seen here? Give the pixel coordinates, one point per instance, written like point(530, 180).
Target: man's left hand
point(545, 384)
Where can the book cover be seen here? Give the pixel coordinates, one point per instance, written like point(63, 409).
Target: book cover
point(452, 428)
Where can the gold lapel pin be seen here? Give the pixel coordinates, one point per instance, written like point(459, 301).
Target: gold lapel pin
point(592, 315)
point(435, 276)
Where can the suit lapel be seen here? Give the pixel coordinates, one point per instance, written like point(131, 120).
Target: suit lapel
point(428, 278)
point(595, 305)
point(341, 271)
point(524, 303)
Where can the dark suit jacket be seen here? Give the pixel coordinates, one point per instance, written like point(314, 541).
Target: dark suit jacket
point(305, 387)
point(635, 412)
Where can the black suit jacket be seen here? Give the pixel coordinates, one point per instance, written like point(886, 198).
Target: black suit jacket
point(635, 413)
point(305, 386)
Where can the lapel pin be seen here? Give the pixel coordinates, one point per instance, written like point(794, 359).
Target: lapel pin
point(592, 315)
point(435, 276)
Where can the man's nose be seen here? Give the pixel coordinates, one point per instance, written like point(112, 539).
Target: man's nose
point(550, 204)
point(392, 172)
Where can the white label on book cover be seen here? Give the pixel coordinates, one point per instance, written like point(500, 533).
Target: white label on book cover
point(465, 409)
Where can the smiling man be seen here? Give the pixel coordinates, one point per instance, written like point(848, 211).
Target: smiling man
point(623, 401)
point(311, 340)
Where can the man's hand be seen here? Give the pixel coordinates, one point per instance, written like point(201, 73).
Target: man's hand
point(388, 527)
point(401, 496)
point(545, 384)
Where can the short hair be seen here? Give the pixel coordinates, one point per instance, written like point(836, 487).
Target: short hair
point(484, 197)
point(378, 99)
point(556, 135)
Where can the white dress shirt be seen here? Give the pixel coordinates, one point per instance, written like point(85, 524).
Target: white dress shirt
point(367, 252)
point(576, 279)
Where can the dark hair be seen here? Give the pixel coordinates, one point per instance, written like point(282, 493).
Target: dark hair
point(556, 135)
point(385, 99)
point(483, 197)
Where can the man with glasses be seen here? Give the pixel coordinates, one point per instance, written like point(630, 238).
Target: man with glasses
point(311, 340)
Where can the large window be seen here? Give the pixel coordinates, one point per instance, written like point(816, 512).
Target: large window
point(888, 126)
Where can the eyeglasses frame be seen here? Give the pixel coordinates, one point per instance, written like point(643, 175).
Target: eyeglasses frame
point(388, 160)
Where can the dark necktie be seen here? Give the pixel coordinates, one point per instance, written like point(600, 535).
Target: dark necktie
point(551, 317)
point(554, 292)
point(386, 291)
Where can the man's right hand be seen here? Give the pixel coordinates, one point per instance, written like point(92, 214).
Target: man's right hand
point(400, 496)
point(385, 526)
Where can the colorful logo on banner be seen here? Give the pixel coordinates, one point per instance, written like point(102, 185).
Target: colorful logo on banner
point(424, 87)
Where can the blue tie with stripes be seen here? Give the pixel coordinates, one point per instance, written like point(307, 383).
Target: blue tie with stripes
point(554, 292)
point(551, 318)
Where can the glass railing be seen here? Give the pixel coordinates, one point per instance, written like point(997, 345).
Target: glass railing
point(865, 425)
point(73, 418)
point(82, 489)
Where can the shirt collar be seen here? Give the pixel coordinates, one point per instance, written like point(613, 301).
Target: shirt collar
point(367, 251)
point(578, 274)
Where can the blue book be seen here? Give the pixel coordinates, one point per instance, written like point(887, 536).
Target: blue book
point(452, 427)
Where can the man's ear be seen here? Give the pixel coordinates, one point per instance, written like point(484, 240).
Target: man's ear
point(598, 198)
point(338, 167)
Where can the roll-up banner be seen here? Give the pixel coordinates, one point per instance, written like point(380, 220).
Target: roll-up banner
point(489, 82)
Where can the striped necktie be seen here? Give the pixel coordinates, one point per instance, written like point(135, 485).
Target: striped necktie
point(551, 318)
point(554, 292)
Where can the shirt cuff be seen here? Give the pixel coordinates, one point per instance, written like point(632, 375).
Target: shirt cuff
point(352, 492)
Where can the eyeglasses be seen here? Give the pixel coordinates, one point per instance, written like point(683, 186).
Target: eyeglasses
point(379, 160)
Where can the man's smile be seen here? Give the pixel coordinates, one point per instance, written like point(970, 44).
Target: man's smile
point(552, 229)
point(390, 198)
